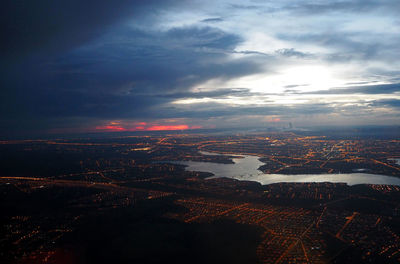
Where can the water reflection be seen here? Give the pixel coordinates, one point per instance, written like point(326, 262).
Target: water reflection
point(246, 168)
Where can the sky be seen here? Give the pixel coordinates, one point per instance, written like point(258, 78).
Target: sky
point(130, 65)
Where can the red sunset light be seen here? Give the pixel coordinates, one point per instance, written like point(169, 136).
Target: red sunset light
point(143, 126)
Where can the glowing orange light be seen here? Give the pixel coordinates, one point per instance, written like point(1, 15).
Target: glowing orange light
point(143, 126)
point(167, 127)
point(110, 128)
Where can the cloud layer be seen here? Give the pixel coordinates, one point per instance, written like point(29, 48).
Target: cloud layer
point(73, 66)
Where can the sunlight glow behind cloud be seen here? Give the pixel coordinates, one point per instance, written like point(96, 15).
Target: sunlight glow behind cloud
point(206, 63)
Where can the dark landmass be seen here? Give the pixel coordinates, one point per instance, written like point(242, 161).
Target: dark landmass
point(118, 201)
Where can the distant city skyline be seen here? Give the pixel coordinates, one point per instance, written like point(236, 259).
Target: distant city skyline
point(102, 66)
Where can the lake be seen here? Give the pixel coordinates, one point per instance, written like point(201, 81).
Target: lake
point(246, 168)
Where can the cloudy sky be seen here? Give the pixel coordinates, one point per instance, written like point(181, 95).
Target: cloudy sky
point(99, 65)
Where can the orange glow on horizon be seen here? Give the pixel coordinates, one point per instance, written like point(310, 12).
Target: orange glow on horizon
point(143, 126)
point(167, 127)
point(111, 128)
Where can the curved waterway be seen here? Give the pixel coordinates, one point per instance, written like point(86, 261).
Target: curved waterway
point(246, 168)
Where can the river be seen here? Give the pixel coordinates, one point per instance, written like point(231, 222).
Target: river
point(246, 168)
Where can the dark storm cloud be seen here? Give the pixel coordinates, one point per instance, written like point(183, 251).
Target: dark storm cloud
point(36, 33)
point(132, 62)
point(51, 26)
point(206, 37)
point(82, 61)
point(126, 73)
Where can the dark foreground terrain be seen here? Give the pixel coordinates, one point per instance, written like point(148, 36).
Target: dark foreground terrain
point(111, 201)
